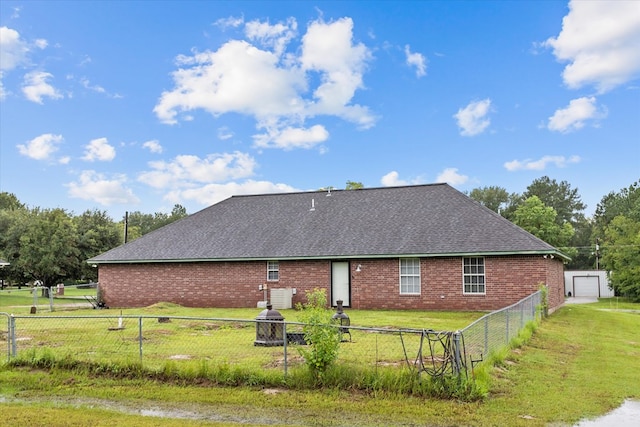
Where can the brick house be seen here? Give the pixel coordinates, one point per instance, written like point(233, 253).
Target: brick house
point(426, 247)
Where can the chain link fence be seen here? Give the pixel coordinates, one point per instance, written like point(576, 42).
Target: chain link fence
point(495, 330)
point(193, 342)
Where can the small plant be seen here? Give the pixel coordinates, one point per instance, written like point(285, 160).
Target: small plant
point(544, 301)
point(323, 337)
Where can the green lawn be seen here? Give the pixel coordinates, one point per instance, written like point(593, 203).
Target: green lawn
point(582, 361)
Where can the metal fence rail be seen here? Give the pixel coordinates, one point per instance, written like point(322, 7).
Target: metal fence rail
point(190, 342)
point(495, 330)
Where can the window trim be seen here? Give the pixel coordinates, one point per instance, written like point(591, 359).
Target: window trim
point(483, 275)
point(271, 269)
point(418, 275)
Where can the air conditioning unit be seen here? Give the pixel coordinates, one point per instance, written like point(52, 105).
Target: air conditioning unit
point(281, 298)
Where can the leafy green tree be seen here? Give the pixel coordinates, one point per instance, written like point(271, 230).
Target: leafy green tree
point(540, 220)
point(617, 224)
point(621, 256)
point(46, 247)
point(12, 225)
point(626, 203)
point(9, 201)
point(354, 185)
point(495, 198)
point(96, 233)
point(559, 196)
point(584, 243)
point(140, 223)
point(569, 207)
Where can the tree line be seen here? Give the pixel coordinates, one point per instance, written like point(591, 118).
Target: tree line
point(554, 212)
point(52, 245)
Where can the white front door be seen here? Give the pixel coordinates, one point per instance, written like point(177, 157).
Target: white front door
point(340, 283)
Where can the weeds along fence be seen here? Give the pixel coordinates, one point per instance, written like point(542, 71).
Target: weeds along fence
point(495, 330)
point(196, 343)
point(189, 342)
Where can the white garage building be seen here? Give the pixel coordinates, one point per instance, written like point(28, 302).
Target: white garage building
point(587, 283)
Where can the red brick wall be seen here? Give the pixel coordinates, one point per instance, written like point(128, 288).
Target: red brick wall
point(235, 284)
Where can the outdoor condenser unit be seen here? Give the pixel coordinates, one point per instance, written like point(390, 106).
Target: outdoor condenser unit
point(281, 298)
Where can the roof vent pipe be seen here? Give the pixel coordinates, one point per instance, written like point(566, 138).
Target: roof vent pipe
point(313, 205)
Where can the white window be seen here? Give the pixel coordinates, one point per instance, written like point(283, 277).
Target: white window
point(273, 271)
point(473, 275)
point(409, 276)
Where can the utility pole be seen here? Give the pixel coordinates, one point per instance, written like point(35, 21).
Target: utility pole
point(597, 253)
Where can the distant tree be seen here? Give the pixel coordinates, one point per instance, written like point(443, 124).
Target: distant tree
point(354, 185)
point(8, 201)
point(625, 203)
point(621, 256)
point(584, 243)
point(495, 198)
point(540, 220)
point(141, 223)
point(96, 233)
point(570, 209)
point(13, 224)
point(559, 196)
point(617, 224)
point(44, 246)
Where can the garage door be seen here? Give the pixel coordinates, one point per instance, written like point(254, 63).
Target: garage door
point(586, 286)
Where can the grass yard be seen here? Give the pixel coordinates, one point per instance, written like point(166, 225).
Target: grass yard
point(583, 361)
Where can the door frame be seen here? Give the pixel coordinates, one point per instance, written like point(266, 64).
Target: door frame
point(339, 293)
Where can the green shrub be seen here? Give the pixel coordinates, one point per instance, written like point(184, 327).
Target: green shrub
point(323, 337)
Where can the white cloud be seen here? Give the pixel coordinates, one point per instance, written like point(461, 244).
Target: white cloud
point(97, 88)
point(214, 193)
point(289, 138)
point(87, 85)
point(540, 164)
point(13, 50)
point(189, 170)
point(238, 77)
point(14, 53)
point(329, 50)
point(41, 147)
point(472, 119)
point(392, 179)
point(452, 177)
point(230, 22)
point(574, 116)
point(224, 133)
point(601, 42)
point(36, 87)
point(99, 149)
point(153, 146)
point(96, 187)
point(416, 60)
point(275, 36)
point(41, 43)
point(272, 85)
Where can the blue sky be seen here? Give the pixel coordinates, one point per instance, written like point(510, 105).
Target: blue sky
point(137, 106)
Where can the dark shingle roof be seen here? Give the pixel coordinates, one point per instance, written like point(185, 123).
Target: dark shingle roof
point(425, 220)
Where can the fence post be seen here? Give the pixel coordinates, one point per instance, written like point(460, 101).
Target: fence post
point(506, 313)
point(12, 336)
point(456, 352)
point(140, 336)
point(284, 334)
point(486, 335)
